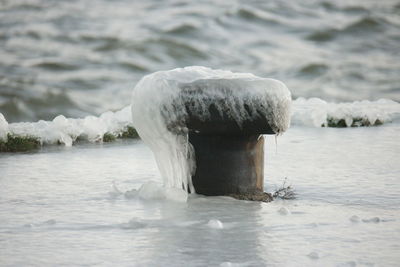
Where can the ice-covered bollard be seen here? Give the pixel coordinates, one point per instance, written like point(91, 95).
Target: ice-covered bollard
point(205, 127)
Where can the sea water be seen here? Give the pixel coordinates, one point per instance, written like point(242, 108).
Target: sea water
point(79, 58)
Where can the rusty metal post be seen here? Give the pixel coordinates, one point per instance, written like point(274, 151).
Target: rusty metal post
point(228, 164)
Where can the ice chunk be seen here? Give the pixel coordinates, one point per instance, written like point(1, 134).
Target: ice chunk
point(3, 128)
point(151, 190)
point(159, 101)
point(215, 224)
point(154, 191)
point(283, 211)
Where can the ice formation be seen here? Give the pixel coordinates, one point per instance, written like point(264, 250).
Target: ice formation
point(3, 128)
point(66, 131)
point(312, 112)
point(317, 112)
point(159, 113)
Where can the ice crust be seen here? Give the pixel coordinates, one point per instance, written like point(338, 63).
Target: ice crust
point(316, 112)
point(66, 131)
point(158, 102)
point(313, 112)
point(3, 128)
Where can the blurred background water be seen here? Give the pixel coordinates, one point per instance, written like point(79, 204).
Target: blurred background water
point(84, 57)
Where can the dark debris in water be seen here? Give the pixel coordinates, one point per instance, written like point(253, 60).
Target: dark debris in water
point(19, 143)
point(285, 191)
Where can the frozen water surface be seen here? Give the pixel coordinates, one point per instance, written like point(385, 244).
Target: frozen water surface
point(59, 206)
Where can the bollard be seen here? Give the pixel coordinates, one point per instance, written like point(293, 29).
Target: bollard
point(228, 165)
point(205, 128)
point(229, 157)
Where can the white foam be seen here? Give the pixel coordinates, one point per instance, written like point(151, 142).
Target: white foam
point(157, 103)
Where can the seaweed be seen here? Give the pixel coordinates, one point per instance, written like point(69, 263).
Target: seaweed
point(109, 137)
point(130, 132)
point(357, 122)
point(17, 143)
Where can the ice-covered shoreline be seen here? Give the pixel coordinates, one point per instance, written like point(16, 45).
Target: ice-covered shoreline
point(316, 112)
point(313, 112)
point(67, 131)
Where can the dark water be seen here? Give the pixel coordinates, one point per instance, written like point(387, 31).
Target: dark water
point(84, 57)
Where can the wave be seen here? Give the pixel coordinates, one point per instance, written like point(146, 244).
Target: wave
point(313, 112)
point(55, 66)
point(182, 29)
point(313, 69)
point(256, 15)
point(365, 25)
point(330, 6)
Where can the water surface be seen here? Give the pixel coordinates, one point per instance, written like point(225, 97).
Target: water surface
point(83, 57)
point(58, 207)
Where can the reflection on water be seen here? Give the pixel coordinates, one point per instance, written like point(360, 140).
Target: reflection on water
point(84, 57)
